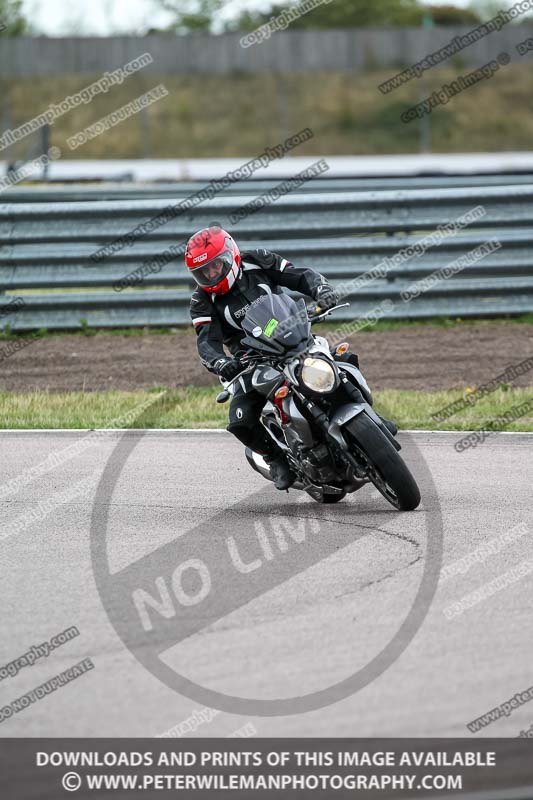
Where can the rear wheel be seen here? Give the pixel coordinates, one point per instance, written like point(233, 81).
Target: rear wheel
point(386, 468)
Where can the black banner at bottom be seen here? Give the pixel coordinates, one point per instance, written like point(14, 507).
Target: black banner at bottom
point(48, 769)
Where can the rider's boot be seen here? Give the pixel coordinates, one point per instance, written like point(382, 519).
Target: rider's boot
point(282, 475)
point(260, 442)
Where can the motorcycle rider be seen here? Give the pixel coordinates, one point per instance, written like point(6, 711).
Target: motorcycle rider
point(228, 282)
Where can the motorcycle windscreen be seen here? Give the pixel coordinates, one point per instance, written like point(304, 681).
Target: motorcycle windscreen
point(278, 320)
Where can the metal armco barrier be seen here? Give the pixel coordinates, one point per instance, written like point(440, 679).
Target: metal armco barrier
point(46, 248)
point(253, 186)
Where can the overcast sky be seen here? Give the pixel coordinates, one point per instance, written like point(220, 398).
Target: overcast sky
point(105, 17)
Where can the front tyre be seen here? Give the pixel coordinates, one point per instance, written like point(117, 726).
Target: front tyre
point(386, 468)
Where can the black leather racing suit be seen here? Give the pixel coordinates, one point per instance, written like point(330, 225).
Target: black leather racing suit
point(217, 320)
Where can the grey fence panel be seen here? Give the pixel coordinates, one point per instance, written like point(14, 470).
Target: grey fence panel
point(351, 50)
point(48, 246)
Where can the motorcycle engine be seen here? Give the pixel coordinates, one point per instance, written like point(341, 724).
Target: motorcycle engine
point(316, 463)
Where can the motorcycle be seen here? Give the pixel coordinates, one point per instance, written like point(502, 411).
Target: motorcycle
point(318, 407)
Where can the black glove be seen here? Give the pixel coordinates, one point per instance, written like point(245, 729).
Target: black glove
point(325, 296)
point(227, 368)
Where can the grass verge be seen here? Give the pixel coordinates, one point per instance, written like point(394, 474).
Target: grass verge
point(354, 117)
point(194, 407)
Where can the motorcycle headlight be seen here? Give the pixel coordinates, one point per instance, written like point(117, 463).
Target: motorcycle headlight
point(318, 375)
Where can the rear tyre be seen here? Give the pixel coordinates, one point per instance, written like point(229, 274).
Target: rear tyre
point(386, 468)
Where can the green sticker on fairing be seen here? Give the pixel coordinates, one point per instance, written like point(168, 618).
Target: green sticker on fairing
point(270, 327)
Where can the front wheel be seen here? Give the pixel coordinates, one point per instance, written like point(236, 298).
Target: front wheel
point(386, 468)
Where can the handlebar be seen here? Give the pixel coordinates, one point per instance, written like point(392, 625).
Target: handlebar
point(252, 360)
point(322, 314)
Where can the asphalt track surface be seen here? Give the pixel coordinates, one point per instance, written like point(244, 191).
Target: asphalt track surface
point(320, 622)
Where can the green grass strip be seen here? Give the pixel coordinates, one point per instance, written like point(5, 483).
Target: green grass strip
point(194, 407)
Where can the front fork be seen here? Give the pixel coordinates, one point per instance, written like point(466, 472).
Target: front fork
point(355, 394)
point(332, 429)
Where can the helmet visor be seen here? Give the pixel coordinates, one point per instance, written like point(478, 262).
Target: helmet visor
point(213, 272)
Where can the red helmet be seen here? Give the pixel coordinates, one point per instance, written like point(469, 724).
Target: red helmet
point(213, 259)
